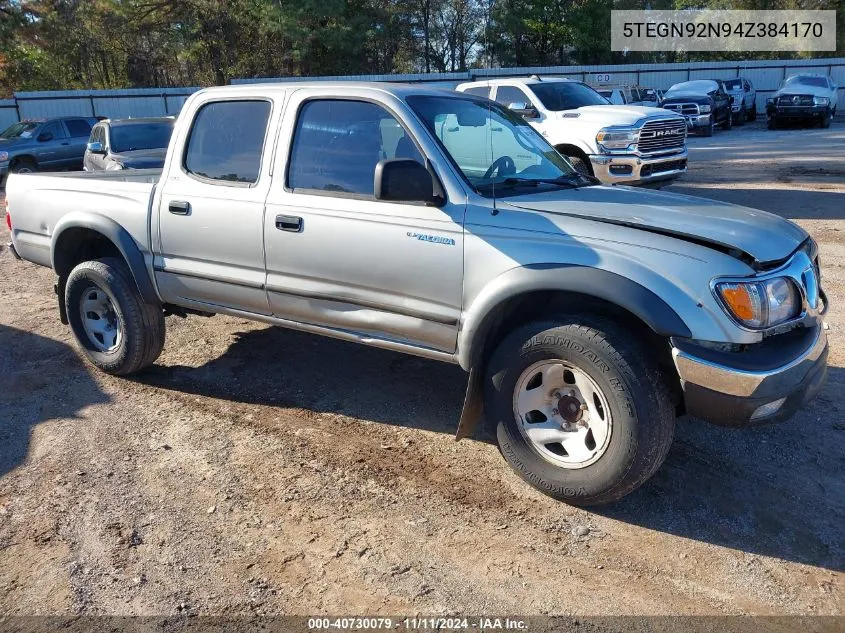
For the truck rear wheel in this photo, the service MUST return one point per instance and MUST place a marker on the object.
(117, 330)
(582, 413)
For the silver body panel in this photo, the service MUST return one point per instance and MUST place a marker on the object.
(415, 278)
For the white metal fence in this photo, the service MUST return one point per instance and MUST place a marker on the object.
(766, 75)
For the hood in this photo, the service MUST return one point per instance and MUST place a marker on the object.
(686, 97)
(765, 237)
(11, 143)
(615, 114)
(141, 158)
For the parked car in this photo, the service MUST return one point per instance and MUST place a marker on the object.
(803, 97)
(631, 145)
(33, 145)
(743, 100)
(703, 102)
(441, 224)
(629, 95)
(128, 144)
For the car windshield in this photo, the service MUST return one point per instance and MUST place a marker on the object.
(733, 84)
(134, 136)
(493, 147)
(818, 82)
(557, 96)
(701, 87)
(24, 129)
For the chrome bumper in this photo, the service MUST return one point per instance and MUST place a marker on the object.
(729, 395)
(638, 170)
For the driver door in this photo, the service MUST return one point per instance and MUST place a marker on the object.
(335, 256)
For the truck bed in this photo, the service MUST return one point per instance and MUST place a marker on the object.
(38, 202)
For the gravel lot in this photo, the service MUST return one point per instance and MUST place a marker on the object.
(256, 470)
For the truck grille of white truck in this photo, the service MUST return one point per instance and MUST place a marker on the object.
(662, 135)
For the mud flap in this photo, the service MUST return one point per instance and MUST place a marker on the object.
(59, 289)
(473, 406)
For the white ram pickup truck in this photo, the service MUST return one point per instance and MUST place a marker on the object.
(618, 144)
(443, 225)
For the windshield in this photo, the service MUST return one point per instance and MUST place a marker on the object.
(134, 136)
(566, 95)
(701, 87)
(24, 129)
(733, 84)
(490, 144)
(818, 82)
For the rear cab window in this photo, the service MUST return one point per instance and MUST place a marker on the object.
(226, 142)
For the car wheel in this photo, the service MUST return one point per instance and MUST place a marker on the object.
(24, 166)
(580, 165)
(772, 123)
(729, 122)
(117, 330)
(742, 118)
(581, 412)
(708, 131)
(752, 113)
(824, 121)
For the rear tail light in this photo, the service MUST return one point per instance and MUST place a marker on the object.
(8, 219)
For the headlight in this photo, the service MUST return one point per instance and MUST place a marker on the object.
(617, 137)
(704, 109)
(761, 304)
(822, 101)
(4, 155)
(114, 166)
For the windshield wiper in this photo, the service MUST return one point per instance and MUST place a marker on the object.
(572, 181)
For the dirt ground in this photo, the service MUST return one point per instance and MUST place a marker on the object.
(261, 471)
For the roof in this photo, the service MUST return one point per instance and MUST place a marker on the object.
(526, 81)
(132, 121)
(269, 88)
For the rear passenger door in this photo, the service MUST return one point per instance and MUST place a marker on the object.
(339, 258)
(78, 131)
(210, 247)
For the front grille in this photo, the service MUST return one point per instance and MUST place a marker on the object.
(795, 101)
(682, 108)
(662, 135)
(659, 168)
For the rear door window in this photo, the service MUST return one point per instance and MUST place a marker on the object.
(480, 91)
(78, 127)
(226, 141)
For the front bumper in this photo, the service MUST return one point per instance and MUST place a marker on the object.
(730, 388)
(796, 112)
(630, 169)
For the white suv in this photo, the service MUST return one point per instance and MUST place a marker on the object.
(633, 145)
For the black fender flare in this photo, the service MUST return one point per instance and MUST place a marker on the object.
(118, 236)
(595, 282)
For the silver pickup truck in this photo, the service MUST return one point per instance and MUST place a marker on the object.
(441, 224)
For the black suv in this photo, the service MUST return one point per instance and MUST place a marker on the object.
(704, 103)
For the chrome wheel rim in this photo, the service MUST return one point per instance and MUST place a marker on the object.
(562, 414)
(99, 319)
(24, 170)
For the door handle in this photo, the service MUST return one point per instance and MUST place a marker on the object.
(177, 207)
(290, 223)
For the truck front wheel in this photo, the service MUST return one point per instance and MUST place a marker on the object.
(582, 413)
(117, 330)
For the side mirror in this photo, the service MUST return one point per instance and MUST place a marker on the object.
(405, 180)
(44, 137)
(96, 148)
(524, 110)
